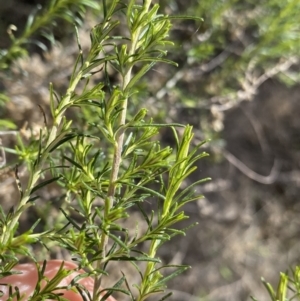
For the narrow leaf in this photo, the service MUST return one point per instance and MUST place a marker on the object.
(40, 185)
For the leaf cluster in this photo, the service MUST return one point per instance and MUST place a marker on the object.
(106, 175)
(288, 287)
(41, 21)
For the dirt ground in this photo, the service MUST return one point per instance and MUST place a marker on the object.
(248, 221)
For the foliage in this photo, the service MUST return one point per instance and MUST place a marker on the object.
(223, 61)
(42, 21)
(104, 175)
(226, 58)
(288, 287)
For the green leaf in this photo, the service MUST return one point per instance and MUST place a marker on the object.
(282, 287)
(270, 289)
(166, 296)
(118, 241)
(74, 163)
(180, 269)
(135, 258)
(43, 184)
(7, 124)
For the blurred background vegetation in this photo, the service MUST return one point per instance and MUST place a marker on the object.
(237, 83)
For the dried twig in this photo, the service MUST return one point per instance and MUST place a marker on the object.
(271, 178)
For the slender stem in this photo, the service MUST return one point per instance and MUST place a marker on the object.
(118, 149)
(36, 169)
(120, 137)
